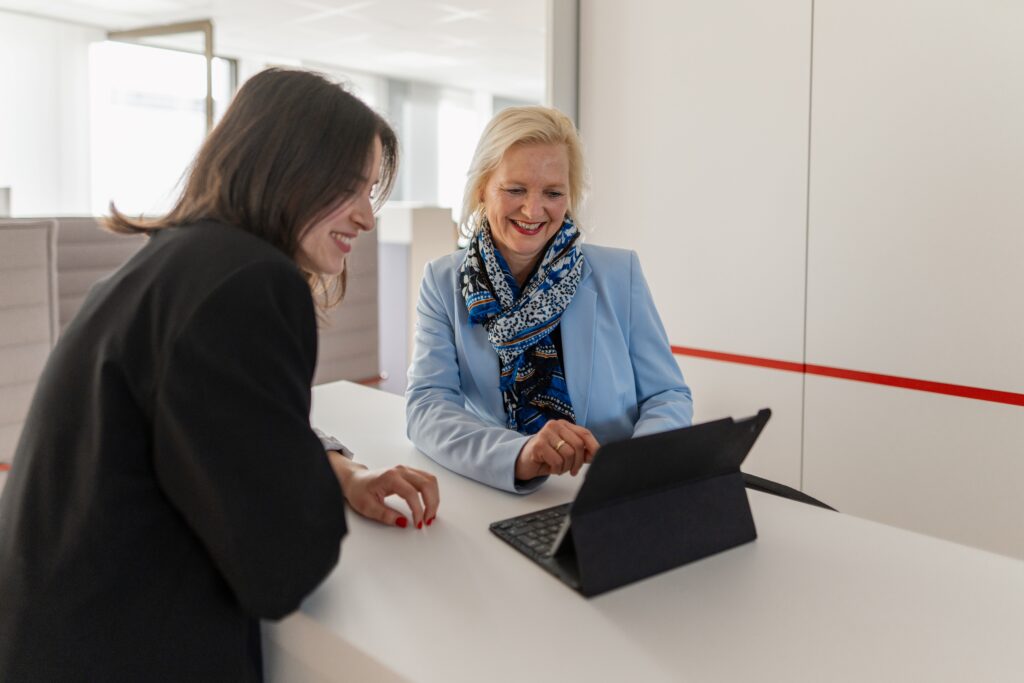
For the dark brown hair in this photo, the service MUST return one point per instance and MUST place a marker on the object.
(291, 148)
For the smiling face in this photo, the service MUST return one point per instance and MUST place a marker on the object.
(324, 246)
(525, 201)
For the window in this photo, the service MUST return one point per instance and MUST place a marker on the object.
(462, 116)
(147, 122)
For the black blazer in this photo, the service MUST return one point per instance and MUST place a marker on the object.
(167, 491)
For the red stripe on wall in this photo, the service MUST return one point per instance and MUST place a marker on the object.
(737, 358)
(960, 390)
(4, 466)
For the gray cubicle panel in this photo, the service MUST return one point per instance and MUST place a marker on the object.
(28, 324)
(86, 253)
(349, 332)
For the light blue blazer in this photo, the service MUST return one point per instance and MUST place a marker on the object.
(622, 377)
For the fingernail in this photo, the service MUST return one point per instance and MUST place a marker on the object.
(419, 525)
(430, 521)
(401, 521)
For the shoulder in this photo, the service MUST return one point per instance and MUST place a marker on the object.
(609, 264)
(261, 304)
(220, 242)
(210, 266)
(601, 257)
(444, 272)
(264, 279)
(448, 264)
(216, 255)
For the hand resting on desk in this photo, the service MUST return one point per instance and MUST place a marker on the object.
(365, 491)
(559, 447)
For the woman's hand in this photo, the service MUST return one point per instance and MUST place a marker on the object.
(559, 447)
(365, 491)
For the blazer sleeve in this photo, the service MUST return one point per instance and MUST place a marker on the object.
(233, 447)
(663, 398)
(437, 420)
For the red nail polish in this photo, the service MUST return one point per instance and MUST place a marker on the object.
(430, 521)
(401, 521)
(419, 525)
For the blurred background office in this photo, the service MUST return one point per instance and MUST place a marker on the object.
(825, 196)
(107, 100)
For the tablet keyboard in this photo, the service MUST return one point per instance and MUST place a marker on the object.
(534, 534)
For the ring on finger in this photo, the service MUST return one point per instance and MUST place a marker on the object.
(559, 445)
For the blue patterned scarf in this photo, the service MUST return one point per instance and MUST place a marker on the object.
(519, 323)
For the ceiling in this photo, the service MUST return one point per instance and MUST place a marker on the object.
(493, 45)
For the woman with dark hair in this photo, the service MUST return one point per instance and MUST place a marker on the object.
(168, 490)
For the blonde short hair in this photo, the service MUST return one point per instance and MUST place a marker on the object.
(520, 126)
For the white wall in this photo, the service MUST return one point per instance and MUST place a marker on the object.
(694, 115)
(834, 183)
(44, 114)
(915, 258)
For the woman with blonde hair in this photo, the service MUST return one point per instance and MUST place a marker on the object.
(531, 348)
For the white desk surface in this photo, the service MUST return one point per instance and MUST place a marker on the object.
(819, 596)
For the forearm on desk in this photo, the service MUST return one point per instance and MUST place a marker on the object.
(669, 410)
(453, 437)
(343, 468)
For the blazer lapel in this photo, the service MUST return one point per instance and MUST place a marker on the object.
(483, 366)
(579, 325)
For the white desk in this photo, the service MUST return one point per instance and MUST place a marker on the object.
(819, 596)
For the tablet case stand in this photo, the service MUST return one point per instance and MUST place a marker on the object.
(631, 540)
(623, 528)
